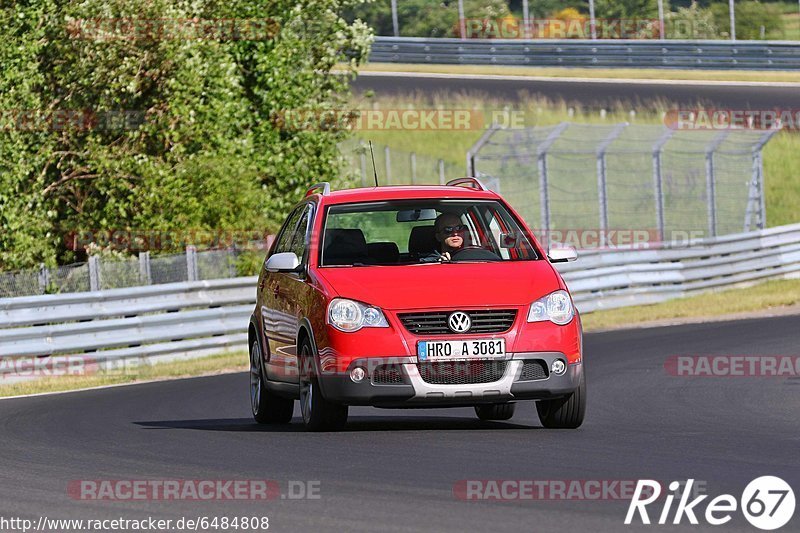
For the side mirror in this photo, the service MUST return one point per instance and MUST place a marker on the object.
(562, 254)
(283, 262)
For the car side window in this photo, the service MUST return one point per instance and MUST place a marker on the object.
(288, 231)
(298, 243)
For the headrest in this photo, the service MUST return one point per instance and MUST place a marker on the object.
(422, 240)
(344, 246)
(383, 252)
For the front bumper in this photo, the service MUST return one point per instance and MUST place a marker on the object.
(417, 391)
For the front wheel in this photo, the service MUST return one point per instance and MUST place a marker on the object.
(318, 413)
(267, 407)
(495, 411)
(566, 412)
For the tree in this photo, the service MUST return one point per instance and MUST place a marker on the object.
(127, 124)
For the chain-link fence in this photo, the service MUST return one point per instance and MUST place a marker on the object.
(605, 177)
(101, 274)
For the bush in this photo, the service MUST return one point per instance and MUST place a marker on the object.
(693, 22)
(200, 148)
(425, 18)
(751, 16)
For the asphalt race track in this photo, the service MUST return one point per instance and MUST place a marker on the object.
(395, 470)
(591, 94)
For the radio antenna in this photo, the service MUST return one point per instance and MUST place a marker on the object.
(374, 169)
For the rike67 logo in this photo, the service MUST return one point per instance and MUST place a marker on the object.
(767, 503)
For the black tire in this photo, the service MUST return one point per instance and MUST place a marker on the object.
(566, 412)
(318, 413)
(495, 411)
(267, 408)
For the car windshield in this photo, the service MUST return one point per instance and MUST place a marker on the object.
(422, 231)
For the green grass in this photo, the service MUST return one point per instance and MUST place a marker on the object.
(791, 22)
(768, 295)
(791, 31)
(214, 364)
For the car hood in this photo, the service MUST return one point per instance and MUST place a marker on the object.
(444, 284)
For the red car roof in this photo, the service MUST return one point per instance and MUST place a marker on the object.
(404, 192)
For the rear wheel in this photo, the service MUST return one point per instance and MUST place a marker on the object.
(496, 411)
(566, 412)
(318, 413)
(267, 407)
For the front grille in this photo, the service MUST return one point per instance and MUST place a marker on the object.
(461, 372)
(435, 323)
(387, 375)
(533, 369)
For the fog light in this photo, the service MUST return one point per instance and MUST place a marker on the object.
(358, 374)
(559, 367)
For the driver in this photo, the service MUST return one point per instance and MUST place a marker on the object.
(449, 233)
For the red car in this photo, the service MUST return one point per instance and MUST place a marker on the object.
(422, 296)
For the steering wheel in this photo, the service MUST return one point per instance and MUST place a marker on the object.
(474, 253)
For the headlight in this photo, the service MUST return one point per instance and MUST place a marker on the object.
(349, 315)
(555, 307)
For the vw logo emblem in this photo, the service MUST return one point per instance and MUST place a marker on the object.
(459, 322)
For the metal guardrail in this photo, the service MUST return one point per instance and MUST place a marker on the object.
(760, 55)
(188, 319)
(605, 280)
(191, 319)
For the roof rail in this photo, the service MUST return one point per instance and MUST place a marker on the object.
(325, 186)
(472, 183)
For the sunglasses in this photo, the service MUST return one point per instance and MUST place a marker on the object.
(453, 229)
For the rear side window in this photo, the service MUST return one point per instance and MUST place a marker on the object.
(288, 232)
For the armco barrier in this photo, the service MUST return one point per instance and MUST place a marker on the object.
(187, 319)
(604, 280)
(202, 317)
(761, 55)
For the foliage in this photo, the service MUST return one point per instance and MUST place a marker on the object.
(425, 18)
(162, 131)
(751, 16)
(693, 22)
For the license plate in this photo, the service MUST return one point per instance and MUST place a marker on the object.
(462, 349)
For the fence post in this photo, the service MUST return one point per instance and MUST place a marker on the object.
(441, 172)
(462, 23)
(525, 19)
(544, 189)
(191, 263)
(758, 178)
(658, 181)
(711, 186)
(602, 184)
(387, 160)
(762, 204)
(475, 149)
(44, 278)
(145, 276)
(363, 156)
(413, 168)
(95, 280)
(395, 21)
